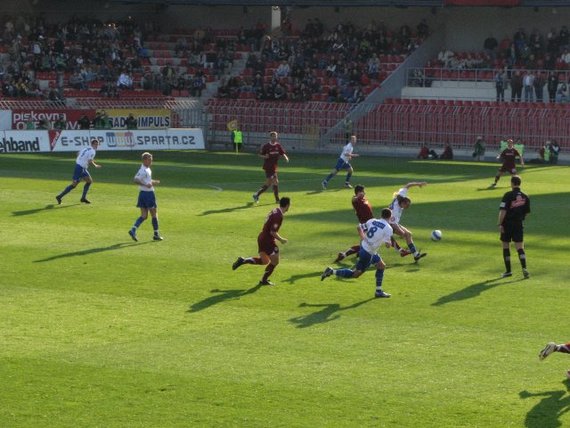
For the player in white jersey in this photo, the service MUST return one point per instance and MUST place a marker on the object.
(343, 163)
(147, 199)
(85, 157)
(398, 205)
(373, 234)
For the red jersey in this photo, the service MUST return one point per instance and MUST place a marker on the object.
(508, 156)
(362, 208)
(274, 151)
(272, 224)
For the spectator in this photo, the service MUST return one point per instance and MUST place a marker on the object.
(500, 81)
(125, 81)
(447, 152)
(60, 124)
(539, 87)
(554, 152)
(552, 86)
(516, 86)
(562, 93)
(490, 46)
(84, 122)
(479, 149)
(131, 122)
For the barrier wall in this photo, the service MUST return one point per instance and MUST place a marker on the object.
(109, 140)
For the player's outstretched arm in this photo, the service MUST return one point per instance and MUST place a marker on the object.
(416, 183)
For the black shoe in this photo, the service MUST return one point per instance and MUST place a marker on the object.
(419, 256)
(58, 199)
(266, 283)
(506, 274)
(133, 234)
(382, 294)
(238, 263)
(85, 201)
(157, 237)
(328, 272)
(526, 275)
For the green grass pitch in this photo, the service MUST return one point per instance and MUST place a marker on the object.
(97, 330)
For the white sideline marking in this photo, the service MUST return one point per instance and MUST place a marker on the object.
(218, 189)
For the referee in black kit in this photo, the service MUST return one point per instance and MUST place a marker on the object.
(514, 207)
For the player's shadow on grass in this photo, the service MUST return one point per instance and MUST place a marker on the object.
(38, 210)
(293, 278)
(329, 312)
(92, 251)
(222, 296)
(546, 413)
(472, 291)
(227, 210)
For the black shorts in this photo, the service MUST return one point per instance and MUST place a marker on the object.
(512, 232)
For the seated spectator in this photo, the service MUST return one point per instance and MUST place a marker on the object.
(424, 152)
(447, 153)
(554, 152)
(283, 70)
(479, 149)
(125, 81)
(84, 122)
(562, 93)
(445, 56)
(60, 123)
(77, 81)
(131, 122)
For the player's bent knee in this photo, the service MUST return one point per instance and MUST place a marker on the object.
(356, 273)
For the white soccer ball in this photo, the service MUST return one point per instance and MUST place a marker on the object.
(436, 235)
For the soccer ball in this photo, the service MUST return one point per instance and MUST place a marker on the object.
(436, 235)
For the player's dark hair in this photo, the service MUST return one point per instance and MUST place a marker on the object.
(402, 199)
(516, 180)
(358, 188)
(283, 202)
(386, 213)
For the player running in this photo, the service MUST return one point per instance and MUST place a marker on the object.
(363, 211)
(508, 156)
(271, 152)
(343, 163)
(398, 205)
(373, 233)
(85, 158)
(268, 249)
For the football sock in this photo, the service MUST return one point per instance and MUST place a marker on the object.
(352, 250)
(331, 175)
(155, 224)
(412, 248)
(138, 222)
(66, 191)
(348, 176)
(261, 190)
(85, 190)
(497, 179)
(379, 278)
(507, 259)
(276, 191)
(268, 271)
(343, 273)
(252, 261)
(564, 348)
(522, 257)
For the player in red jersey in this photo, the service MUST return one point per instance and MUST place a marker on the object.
(508, 156)
(271, 152)
(363, 211)
(268, 249)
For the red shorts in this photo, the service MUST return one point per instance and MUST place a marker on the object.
(507, 168)
(267, 246)
(270, 173)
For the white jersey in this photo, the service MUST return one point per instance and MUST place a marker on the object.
(376, 232)
(397, 210)
(346, 152)
(85, 156)
(144, 176)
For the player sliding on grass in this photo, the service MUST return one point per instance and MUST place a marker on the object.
(84, 159)
(268, 249)
(271, 152)
(147, 199)
(363, 211)
(398, 205)
(373, 233)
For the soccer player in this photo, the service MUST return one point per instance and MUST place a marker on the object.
(363, 211)
(271, 152)
(514, 207)
(147, 199)
(398, 205)
(268, 249)
(343, 163)
(85, 158)
(373, 233)
(508, 156)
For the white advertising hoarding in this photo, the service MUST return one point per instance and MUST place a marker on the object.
(69, 141)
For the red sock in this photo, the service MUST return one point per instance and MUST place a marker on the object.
(276, 192)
